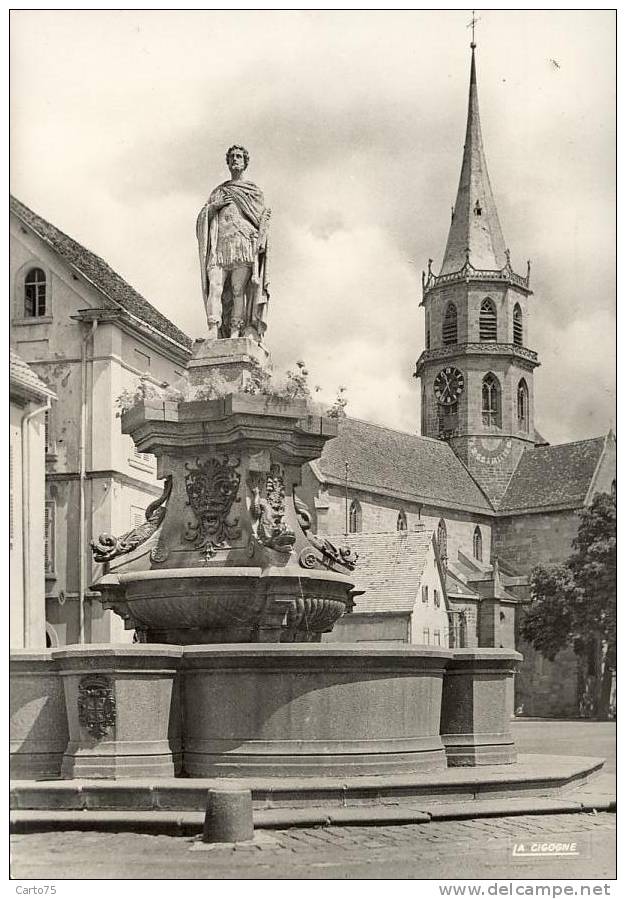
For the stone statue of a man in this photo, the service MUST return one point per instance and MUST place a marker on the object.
(232, 231)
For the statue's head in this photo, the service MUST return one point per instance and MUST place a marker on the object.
(237, 158)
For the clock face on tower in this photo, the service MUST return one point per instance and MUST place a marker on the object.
(449, 385)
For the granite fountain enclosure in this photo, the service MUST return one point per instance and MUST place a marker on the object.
(250, 710)
(230, 593)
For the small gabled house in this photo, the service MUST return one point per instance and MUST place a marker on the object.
(403, 584)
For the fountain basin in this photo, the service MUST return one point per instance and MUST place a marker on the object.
(312, 710)
(228, 604)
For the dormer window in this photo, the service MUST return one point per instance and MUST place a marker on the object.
(35, 293)
(478, 208)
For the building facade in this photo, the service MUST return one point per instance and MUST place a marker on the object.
(89, 337)
(30, 534)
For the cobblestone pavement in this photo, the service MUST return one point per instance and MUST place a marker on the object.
(440, 850)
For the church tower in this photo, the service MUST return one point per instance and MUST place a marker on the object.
(476, 370)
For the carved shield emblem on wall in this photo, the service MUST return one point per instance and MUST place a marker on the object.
(96, 704)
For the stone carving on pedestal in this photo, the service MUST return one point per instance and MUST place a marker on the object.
(107, 547)
(96, 705)
(212, 487)
(232, 231)
(268, 512)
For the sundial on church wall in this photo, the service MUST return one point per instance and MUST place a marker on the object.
(490, 450)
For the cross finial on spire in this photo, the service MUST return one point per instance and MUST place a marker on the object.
(472, 24)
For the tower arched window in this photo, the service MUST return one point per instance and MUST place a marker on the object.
(491, 402)
(522, 406)
(518, 327)
(478, 544)
(35, 293)
(355, 517)
(488, 321)
(401, 524)
(428, 330)
(442, 540)
(449, 330)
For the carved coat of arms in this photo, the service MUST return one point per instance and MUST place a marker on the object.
(96, 704)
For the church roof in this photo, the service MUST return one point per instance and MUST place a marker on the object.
(389, 568)
(549, 476)
(381, 460)
(96, 270)
(22, 377)
(475, 224)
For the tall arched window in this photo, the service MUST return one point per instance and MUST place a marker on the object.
(442, 540)
(488, 321)
(35, 293)
(522, 405)
(355, 517)
(401, 524)
(449, 330)
(478, 544)
(518, 329)
(492, 406)
(428, 330)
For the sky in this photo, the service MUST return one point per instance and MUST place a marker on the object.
(355, 124)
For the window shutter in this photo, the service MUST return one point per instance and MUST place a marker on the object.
(50, 537)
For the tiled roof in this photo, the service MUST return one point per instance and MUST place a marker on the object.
(22, 375)
(99, 273)
(456, 587)
(553, 475)
(389, 568)
(394, 462)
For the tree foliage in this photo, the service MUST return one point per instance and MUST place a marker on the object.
(575, 604)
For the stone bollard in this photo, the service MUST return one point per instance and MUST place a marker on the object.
(228, 816)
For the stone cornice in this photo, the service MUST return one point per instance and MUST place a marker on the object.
(468, 274)
(529, 357)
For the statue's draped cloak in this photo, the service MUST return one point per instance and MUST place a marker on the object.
(250, 202)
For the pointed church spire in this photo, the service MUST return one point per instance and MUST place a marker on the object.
(475, 226)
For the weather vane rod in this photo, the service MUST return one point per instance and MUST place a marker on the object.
(472, 24)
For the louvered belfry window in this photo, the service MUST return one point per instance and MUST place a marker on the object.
(488, 322)
(449, 331)
(518, 331)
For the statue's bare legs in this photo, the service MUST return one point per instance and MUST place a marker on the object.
(214, 300)
(239, 277)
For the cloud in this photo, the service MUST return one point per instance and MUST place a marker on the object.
(355, 123)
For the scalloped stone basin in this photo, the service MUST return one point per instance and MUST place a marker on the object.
(228, 604)
(314, 710)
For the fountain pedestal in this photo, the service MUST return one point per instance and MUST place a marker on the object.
(225, 555)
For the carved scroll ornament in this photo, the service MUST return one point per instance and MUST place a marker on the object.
(330, 554)
(108, 547)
